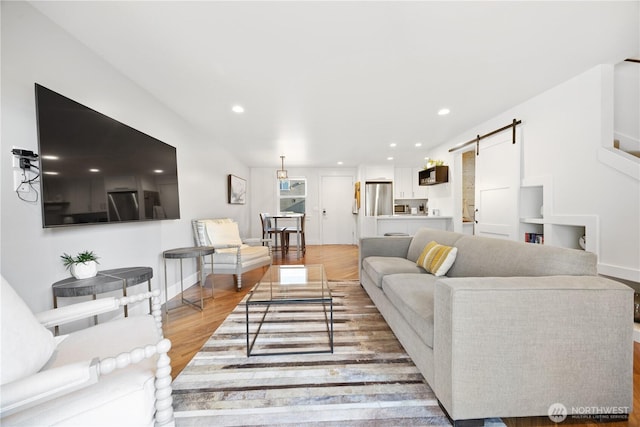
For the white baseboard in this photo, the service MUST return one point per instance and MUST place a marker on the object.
(625, 273)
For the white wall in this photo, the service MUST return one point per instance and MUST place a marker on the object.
(562, 130)
(36, 50)
(264, 196)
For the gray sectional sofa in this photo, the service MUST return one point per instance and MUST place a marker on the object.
(512, 329)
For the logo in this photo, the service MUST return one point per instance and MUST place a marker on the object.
(557, 412)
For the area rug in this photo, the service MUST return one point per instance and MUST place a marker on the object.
(368, 380)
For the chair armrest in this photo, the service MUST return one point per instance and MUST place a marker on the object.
(46, 385)
(53, 383)
(227, 246)
(82, 310)
(525, 336)
(255, 241)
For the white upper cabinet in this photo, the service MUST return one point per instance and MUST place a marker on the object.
(406, 186)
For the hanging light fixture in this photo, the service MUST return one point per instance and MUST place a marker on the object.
(282, 173)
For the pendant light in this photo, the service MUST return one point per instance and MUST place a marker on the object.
(282, 173)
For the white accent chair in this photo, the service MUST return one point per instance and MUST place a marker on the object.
(116, 373)
(233, 255)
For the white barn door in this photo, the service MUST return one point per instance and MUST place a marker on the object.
(498, 186)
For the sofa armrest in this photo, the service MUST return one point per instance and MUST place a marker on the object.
(514, 346)
(392, 246)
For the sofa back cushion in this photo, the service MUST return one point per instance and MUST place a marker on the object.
(425, 235)
(491, 257)
(202, 231)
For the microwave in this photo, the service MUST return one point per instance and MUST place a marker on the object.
(401, 209)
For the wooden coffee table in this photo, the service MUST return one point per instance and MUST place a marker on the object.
(291, 307)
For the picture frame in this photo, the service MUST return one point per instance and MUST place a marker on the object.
(236, 190)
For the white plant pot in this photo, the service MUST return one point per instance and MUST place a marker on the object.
(84, 270)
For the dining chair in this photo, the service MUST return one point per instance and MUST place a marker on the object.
(268, 232)
(293, 230)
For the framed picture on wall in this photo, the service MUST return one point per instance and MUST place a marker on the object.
(237, 190)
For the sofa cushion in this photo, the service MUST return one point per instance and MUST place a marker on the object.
(26, 344)
(490, 257)
(436, 258)
(412, 295)
(247, 254)
(377, 267)
(425, 235)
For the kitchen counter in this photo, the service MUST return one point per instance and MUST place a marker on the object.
(409, 224)
(410, 216)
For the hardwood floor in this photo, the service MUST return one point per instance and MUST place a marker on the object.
(188, 329)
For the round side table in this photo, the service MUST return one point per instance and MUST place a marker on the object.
(198, 252)
(104, 281)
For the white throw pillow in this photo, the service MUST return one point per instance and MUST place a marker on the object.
(223, 233)
(26, 344)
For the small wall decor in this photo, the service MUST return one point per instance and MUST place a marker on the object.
(237, 190)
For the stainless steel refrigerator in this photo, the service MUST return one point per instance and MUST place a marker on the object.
(378, 198)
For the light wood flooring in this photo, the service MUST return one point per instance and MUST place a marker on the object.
(188, 328)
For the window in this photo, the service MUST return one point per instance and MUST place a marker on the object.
(292, 194)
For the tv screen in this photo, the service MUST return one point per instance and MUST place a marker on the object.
(95, 169)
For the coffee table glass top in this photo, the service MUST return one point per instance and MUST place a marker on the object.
(289, 283)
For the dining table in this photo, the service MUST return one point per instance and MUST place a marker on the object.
(298, 221)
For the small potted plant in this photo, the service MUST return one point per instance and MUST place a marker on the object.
(82, 266)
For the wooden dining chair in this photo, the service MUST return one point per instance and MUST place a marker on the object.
(293, 230)
(268, 232)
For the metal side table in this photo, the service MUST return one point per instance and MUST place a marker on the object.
(198, 252)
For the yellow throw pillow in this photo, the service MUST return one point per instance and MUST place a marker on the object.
(437, 259)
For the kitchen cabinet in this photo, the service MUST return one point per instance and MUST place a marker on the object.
(409, 224)
(406, 184)
(402, 188)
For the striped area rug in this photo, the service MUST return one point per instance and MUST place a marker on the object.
(368, 380)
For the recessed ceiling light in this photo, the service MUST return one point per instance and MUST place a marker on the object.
(238, 109)
(158, 171)
(443, 111)
(94, 170)
(50, 157)
(393, 144)
(418, 144)
(51, 173)
(339, 163)
(389, 158)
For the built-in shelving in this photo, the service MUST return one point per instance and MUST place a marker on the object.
(434, 175)
(537, 216)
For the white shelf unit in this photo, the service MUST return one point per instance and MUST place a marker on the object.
(536, 216)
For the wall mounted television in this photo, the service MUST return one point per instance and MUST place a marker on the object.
(96, 170)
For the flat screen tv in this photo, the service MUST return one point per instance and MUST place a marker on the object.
(96, 170)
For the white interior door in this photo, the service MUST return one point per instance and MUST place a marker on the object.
(336, 213)
(498, 186)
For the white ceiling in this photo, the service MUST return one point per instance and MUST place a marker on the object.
(323, 82)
